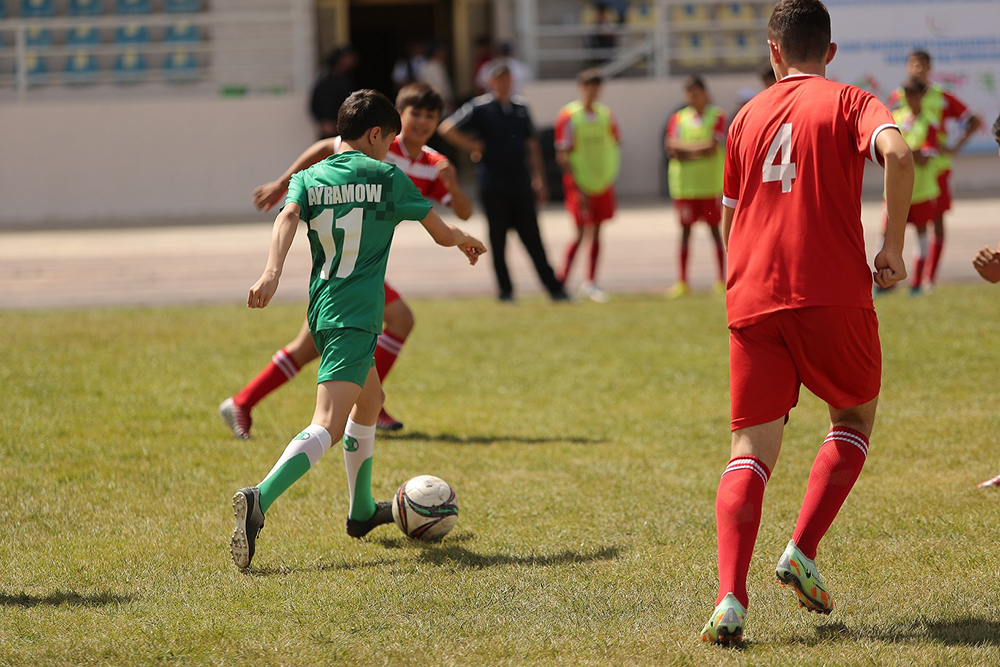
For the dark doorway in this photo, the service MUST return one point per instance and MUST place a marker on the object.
(381, 31)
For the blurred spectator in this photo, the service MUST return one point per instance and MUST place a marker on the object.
(484, 54)
(520, 73)
(435, 73)
(332, 89)
(409, 68)
(605, 34)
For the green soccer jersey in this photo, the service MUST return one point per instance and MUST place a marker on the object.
(352, 204)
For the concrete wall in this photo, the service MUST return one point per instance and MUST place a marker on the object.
(128, 160)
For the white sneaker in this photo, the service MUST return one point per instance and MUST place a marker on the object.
(593, 292)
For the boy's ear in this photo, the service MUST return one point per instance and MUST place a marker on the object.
(374, 134)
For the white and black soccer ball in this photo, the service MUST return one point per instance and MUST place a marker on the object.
(425, 508)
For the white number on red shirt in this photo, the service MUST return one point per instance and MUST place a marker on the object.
(783, 171)
(323, 225)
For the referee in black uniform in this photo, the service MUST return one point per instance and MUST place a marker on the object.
(499, 136)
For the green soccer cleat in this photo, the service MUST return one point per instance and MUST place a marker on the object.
(726, 623)
(795, 569)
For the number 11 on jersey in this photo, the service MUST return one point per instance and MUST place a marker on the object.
(783, 171)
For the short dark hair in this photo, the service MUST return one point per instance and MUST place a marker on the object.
(694, 81)
(366, 109)
(419, 96)
(802, 29)
(914, 85)
(590, 76)
(920, 54)
(996, 127)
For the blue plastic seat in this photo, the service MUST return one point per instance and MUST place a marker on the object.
(37, 8)
(132, 33)
(3, 9)
(36, 67)
(133, 7)
(81, 68)
(180, 66)
(84, 7)
(83, 36)
(130, 67)
(182, 32)
(38, 37)
(183, 6)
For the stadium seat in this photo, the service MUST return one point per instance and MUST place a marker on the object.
(735, 11)
(695, 50)
(180, 66)
(37, 8)
(84, 7)
(743, 49)
(81, 68)
(182, 6)
(38, 37)
(687, 12)
(641, 13)
(36, 67)
(130, 67)
(182, 32)
(3, 9)
(83, 36)
(133, 6)
(132, 33)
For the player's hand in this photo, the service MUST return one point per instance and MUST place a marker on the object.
(447, 174)
(889, 269)
(987, 263)
(541, 191)
(472, 248)
(262, 290)
(476, 154)
(267, 195)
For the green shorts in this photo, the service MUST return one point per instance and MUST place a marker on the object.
(345, 354)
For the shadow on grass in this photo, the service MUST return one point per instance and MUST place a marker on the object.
(454, 554)
(58, 598)
(967, 631)
(453, 439)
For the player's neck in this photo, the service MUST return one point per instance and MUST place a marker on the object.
(809, 69)
(359, 145)
(412, 148)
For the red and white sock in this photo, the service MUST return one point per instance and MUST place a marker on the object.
(568, 261)
(684, 265)
(281, 369)
(737, 515)
(595, 252)
(833, 475)
(937, 247)
(386, 351)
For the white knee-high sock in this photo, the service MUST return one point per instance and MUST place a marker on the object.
(301, 454)
(359, 448)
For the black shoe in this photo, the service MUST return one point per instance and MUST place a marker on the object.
(560, 295)
(506, 297)
(383, 514)
(249, 521)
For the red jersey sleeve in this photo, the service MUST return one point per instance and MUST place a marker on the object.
(867, 116)
(932, 143)
(615, 131)
(731, 179)
(719, 131)
(672, 131)
(954, 107)
(436, 189)
(563, 132)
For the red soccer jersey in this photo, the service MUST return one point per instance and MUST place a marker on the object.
(794, 166)
(422, 171)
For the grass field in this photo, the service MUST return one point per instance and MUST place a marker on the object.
(585, 443)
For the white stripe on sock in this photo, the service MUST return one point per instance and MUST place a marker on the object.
(389, 345)
(844, 436)
(747, 464)
(285, 363)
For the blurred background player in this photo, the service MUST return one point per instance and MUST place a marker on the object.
(799, 302)
(497, 132)
(987, 263)
(943, 108)
(921, 135)
(345, 299)
(332, 89)
(420, 110)
(695, 142)
(587, 150)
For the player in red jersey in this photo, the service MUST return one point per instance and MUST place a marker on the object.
(944, 107)
(798, 296)
(420, 109)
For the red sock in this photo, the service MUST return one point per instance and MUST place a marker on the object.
(720, 255)
(918, 272)
(595, 251)
(684, 265)
(570, 254)
(937, 247)
(833, 475)
(281, 369)
(737, 516)
(386, 351)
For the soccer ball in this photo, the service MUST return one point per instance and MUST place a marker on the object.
(425, 508)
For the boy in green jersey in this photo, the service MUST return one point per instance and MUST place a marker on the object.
(351, 203)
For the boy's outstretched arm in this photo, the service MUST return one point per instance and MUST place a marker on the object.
(448, 235)
(898, 160)
(267, 195)
(460, 203)
(281, 240)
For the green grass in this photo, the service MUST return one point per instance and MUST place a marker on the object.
(585, 443)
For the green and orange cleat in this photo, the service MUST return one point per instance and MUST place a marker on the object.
(800, 572)
(725, 626)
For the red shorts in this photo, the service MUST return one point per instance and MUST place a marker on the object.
(693, 210)
(833, 351)
(391, 295)
(588, 209)
(944, 199)
(920, 214)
